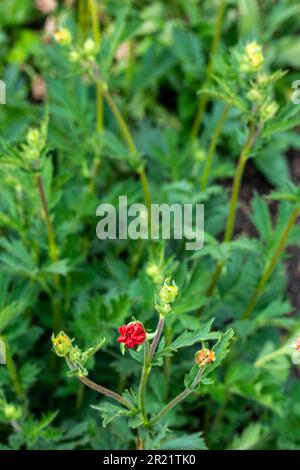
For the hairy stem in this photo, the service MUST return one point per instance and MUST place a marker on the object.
(179, 398)
(214, 45)
(271, 264)
(156, 338)
(143, 382)
(212, 148)
(233, 201)
(53, 252)
(126, 136)
(237, 183)
(107, 392)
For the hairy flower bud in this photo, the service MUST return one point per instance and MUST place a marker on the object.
(255, 95)
(62, 344)
(252, 59)
(168, 292)
(132, 334)
(268, 111)
(204, 357)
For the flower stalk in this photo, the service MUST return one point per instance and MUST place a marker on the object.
(212, 148)
(252, 134)
(271, 264)
(53, 252)
(107, 392)
(143, 382)
(178, 399)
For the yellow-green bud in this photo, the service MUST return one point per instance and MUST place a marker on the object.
(253, 58)
(168, 292)
(165, 309)
(62, 344)
(268, 110)
(33, 136)
(75, 354)
(74, 56)
(63, 37)
(154, 272)
(12, 412)
(255, 95)
(89, 46)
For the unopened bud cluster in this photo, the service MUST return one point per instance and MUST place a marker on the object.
(260, 90)
(252, 59)
(167, 295)
(62, 345)
(76, 54)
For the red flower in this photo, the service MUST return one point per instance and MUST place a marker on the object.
(132, 334)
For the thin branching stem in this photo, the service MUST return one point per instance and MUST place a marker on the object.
(53, 252)
(127, 137)
(179, 398)
(271, 264)
(107, 392)
(156, 338)
(252, 134)
(143, 382)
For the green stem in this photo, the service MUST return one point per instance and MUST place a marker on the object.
(120, 120)
(127, 137)
(233, 201)
(143, 382)
(271, 264)
(82, 20)
(179, 398)
(12, 371)
(168, 359)
(53, 251)
(237, 183)
(272, 355)
(93, 9)
(148, 358)
(212, 148)
(214, 45)
(108, 393)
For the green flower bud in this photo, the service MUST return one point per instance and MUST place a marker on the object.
(154, 273)
(12, 412)
(165, 309)
(268, 111)
(168, 293)
(252, 59)
(255, 95)
(62, 344)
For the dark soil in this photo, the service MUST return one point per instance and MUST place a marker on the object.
(254, 182)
